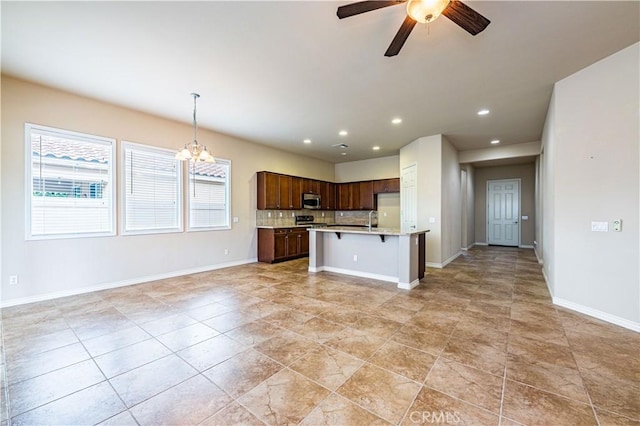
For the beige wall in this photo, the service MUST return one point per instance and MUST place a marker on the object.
(376, 168)
(526, 173)
(591, 169)
(451, 202)
(468, 206)
(57, 267)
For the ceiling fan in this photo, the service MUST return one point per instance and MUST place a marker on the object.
(423, 11)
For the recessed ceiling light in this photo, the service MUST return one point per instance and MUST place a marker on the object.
(343, 133)
(483, 112)
(396, 120)
(495, 141)
(307, 141)
(376, 148)
(344, 153)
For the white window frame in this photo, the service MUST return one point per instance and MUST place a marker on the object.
(28, 128)
(227, 195)
(123, 190)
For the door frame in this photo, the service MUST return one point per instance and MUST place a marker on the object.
(519, 207)
(402, 192)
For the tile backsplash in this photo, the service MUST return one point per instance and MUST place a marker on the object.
(288, 217)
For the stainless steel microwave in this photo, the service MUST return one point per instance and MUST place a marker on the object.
(310, 201)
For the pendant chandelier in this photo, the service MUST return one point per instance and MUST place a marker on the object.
(195, 151)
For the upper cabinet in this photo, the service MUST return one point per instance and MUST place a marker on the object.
(366, 200)
(279, 192)
(386, 185)
(328, 195)
(283, 192)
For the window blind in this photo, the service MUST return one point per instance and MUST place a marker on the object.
(152, 189)
(209, 195)
(70, 180)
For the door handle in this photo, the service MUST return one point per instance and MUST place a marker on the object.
(515, 221)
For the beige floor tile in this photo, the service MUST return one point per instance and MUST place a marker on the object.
(284, 398)
(48, 387)
(44, 362)
(286, 348)
(337, 410)
(254, 332)
(356, 343)
(205, 355)
(385, 394)
(404, 360)
(187, 336)
(189, 402)
(466, 383)
(319, 330)
(90, 405)
(123, 419)
(327, 366)
(111, 342)
(241, 373)
(233, 414)
(532, 406)
(144, 382)
(167, 324)
(130, 357)
(419, 338)
(476, 355)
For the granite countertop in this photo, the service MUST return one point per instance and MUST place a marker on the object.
(282, 226)
(365, 230)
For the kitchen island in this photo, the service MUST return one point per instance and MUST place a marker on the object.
(385, 254)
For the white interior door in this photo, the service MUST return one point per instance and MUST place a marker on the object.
(409, 199)
(503, 211)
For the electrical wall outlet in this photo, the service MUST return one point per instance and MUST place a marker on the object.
(280, 214)
(268, 214)
(235, 219)
(226, 251)
(13, 279)
(617, 225)
(355, 257)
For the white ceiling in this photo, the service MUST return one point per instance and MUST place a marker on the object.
(279, 72)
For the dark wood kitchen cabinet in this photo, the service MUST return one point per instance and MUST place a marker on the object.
(383, 186)
(310, 186)
(328, 195)
(279, 192)
(366, 200)
(276, 245)
(348, 196)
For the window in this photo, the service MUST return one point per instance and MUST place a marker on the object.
(69, 181)
(151, 190)
(209, 195)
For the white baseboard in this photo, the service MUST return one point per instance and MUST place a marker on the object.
(540, 261)
(525, 246)
(123, 283)
(408, 286)
(481, 244)
(468, 247)
(613, 319)
(351, 272)
(445, 263)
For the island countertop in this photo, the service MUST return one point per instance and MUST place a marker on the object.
(365, 230)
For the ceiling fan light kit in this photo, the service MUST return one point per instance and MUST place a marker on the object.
(423, 11)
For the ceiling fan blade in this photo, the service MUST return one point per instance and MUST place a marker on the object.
(465, 17)
(401, 37)
(364, 6)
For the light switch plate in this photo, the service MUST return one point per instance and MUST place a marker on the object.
(525, 217)
(432, 220)
(600, 226)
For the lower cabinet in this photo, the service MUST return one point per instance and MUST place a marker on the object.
(275, 245)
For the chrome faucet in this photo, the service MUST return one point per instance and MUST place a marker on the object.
(371, 213)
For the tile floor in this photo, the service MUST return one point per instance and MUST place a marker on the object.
(478, 342)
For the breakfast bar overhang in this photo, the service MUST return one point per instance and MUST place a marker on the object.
(379, 253)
